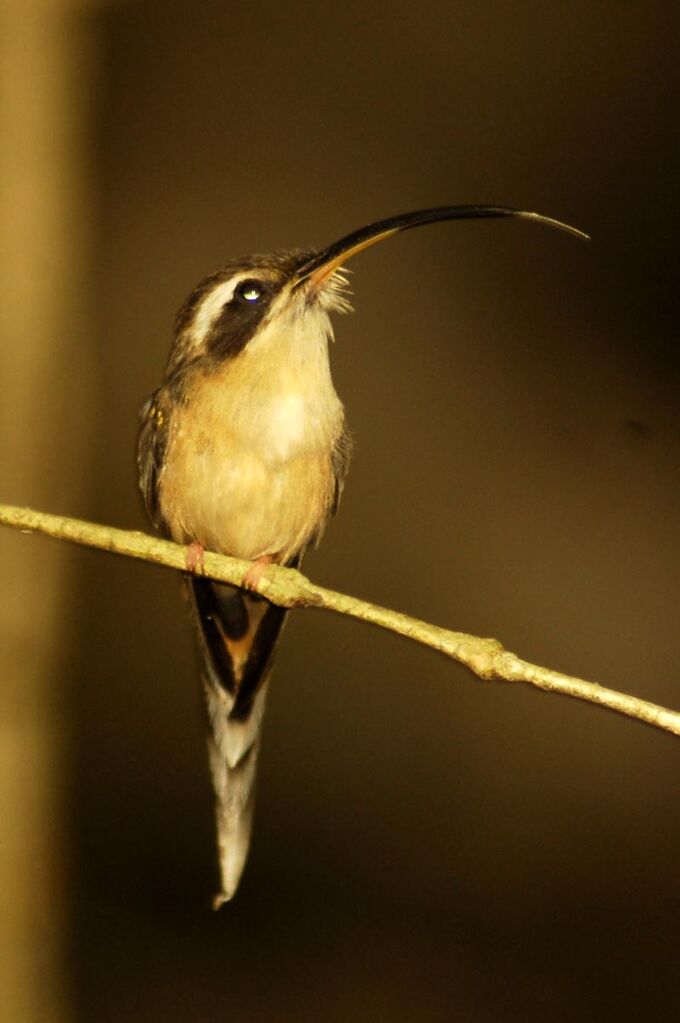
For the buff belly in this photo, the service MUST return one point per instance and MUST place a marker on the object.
(234, 502)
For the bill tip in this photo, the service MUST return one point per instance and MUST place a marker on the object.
(552, 222)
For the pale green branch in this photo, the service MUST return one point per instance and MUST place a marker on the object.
(486, 658)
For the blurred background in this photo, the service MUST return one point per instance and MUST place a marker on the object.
(427, 847)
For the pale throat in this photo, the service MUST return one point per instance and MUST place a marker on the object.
(284, 400)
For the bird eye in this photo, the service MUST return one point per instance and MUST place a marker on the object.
(251, 291)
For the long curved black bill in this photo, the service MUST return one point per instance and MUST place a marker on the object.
(324, 263)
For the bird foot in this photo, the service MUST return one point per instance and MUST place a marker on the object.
(194, 558)
(251, 578)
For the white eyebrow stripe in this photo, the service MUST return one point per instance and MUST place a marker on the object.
(211, 306)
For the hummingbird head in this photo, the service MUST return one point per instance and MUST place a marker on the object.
(232, 309)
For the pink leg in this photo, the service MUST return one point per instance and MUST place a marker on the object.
(252, 577)
(194, 558)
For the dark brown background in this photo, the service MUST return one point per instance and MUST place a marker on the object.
(426, 847)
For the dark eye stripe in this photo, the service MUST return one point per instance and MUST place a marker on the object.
(240, 318)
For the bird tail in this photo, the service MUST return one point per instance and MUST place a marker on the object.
(238, 633)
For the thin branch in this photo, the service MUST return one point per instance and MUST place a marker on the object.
(486, 658)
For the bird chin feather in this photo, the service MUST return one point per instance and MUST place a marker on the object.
(334, 295)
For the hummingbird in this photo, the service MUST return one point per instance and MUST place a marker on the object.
(243, 450)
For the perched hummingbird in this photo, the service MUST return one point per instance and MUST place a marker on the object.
(243, 450)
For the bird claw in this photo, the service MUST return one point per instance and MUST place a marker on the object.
(195, 558)
(251, 578)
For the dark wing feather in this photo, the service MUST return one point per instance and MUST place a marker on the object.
(153, 438)
(340, 459)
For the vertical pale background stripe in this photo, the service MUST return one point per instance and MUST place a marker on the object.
(44, 239)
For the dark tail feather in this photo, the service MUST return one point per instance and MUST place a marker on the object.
(238, 633)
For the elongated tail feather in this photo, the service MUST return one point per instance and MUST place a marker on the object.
(238, 633)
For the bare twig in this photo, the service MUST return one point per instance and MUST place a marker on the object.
(486, 658)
